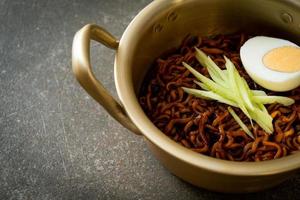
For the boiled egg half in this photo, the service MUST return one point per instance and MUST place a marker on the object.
(272, 63)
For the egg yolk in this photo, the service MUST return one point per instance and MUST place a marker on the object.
(283, 59)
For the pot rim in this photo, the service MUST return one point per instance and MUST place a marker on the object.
(151, 132)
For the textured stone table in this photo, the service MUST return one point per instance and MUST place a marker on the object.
(55, 141)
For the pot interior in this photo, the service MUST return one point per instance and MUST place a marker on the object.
(170, 21)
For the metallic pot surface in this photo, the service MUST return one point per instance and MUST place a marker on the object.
(158, 27)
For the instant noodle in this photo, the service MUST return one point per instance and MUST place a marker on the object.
(206, 126)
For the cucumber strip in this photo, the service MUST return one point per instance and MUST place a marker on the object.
(201, 56)
(234, 86)
(263, 126)
(240, 122)
(214, 74)
(286, 101)
(215, 77)
(265, 117)
(258, 93)
(202, 85)
(208, 95)
(195, 93)
(247, 96)
(207, 62)
(264, 120)
(262, 108)
(244, 91)
(209, 83)
(213, 65)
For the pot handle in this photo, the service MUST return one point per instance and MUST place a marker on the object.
(83, 71)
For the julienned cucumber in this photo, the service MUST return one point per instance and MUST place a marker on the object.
(228, 87)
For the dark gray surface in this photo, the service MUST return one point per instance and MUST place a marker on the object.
(55, 141)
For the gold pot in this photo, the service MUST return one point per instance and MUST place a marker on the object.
(158, 27)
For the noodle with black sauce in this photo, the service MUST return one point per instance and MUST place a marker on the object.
(206, 126)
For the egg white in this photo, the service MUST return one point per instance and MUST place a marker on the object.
(252, 53)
